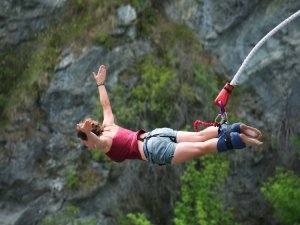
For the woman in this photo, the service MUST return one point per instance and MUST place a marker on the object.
(160, 146)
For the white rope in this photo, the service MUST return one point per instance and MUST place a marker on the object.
(260, 43)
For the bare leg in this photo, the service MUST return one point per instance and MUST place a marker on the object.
(204, 135)
(250, 131)
(188, 150)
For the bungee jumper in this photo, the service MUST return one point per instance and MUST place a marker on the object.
(160, 146)
(164, 146)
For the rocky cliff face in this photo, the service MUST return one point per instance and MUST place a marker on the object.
(22, 20)
(37, 166)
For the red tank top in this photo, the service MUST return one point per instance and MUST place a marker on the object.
(124, 145)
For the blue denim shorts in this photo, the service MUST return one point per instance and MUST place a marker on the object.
(159, 145)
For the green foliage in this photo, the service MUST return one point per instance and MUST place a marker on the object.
(80, 4)
(201, 198)
(100, 157)
(140, 4)
(283, 192)
(158, 86)
(104, 39)
(148, 19)
(208, 83)
(296, 142)
(134, 219)
(70, 216)
(12, 65)
(72, 178)
(96, 154)
(204, 79)
(150, 98)
(179, 36)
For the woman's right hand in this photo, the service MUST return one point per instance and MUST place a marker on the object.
(85, 127)
(100, 77)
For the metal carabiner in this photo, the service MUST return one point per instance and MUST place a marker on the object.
(222, 116)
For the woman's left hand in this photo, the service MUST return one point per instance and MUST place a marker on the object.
(100, 77)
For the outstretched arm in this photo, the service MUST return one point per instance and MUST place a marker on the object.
(108, 117)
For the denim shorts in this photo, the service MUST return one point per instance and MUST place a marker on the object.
(159, 145)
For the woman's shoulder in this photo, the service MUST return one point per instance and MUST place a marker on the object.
(110, 131)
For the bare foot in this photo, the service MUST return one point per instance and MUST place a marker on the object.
(250, 141)
(250, 131)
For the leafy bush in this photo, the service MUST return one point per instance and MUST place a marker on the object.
(150, 98)
(283, 192)
(201, 199)
(140, 4)
(72, 178)
(70, 215)
(134, 219)
(296, 142)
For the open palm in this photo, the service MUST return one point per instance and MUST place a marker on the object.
(100, 77)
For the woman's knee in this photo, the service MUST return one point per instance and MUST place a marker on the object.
(200, 148)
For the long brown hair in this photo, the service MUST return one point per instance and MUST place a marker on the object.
(96, 129)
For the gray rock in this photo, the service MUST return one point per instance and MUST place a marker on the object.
(22, 20)
(126, 15)
(131, 33)
(67, 59)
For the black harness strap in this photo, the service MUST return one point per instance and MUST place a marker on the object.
(172, 138)
(228, 141)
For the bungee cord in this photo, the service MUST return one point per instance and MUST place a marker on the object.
(234, 81)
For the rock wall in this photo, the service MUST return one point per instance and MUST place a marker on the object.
(22, 20)
(35, 167)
